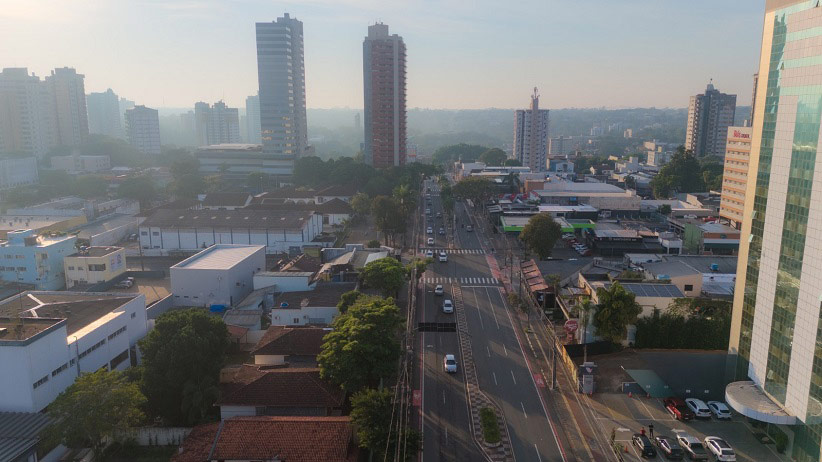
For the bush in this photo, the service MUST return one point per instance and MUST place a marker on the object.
(678, 332)
(490, 426)
(372, 244)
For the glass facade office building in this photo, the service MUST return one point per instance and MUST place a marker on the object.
(777, 329)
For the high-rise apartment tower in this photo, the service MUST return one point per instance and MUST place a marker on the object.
(709, 116)
(531, 136)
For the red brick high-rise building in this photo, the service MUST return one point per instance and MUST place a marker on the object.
(384, 90)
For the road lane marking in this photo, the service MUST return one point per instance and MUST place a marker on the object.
(476, 305)
(443, 397)
(488, 350)
(523, 409)
(513, 378)
(493, 311)
(495, 378)
(505, 349)
(536, 449)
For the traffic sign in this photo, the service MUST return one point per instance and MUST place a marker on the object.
(571, 325)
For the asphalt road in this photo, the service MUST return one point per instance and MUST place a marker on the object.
(501, 364)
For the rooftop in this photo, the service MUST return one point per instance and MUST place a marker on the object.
(718, 228)
(78, 309)
(670, 268)
(219, 256)
(725, 264)
(238, 218)
(324, 295)
(106, 224)
(96, 252)
(749, 400)
(232, 147)
(333, 206)
(288, 341)
(293, 439)
(242, 318)
(286, 387)
(651, 290)
(19, 432)
(226, 199)
(15, 222)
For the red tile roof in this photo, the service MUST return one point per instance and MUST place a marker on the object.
(289, 387)
(292, 439)
(288, 341)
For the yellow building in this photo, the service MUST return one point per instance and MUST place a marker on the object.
(735, 175)
(94, 265)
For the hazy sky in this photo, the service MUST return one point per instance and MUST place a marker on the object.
(461, 53)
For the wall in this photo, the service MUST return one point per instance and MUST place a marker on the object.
(206, 287)
(113, 236)
(269, 360)
(159, 307)
(283, 283)
(45, 273)
(77, 268)
(286, 317)
(158, 436)
(227, 412)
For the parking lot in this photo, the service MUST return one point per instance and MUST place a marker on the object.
(153, 289)
(628, 414)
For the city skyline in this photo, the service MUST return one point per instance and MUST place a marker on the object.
(458, 54)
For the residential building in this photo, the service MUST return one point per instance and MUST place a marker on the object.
(76, 163)
(317, 306)
(560, 164)
(560, 145)
(735, 175)
(383, 59)
(222, 274)
(252, 119)
(531, 136)
(652, 297)
(37, 260)
(104, 116)
(16, 172)
(94, 265)
(281, 75)
(658, 153)
(712, 238)
(709, 116)
(125, 105)
(27, 122)
(775, 328)
(289, 346)
(143, 130)
(66, 88)
(292, 439)
(217, 124)
(80, 331)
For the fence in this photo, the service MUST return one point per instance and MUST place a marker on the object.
(158, 436)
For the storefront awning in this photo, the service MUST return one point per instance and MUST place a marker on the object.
(749, 400)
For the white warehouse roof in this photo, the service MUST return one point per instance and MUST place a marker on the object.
(219, 256)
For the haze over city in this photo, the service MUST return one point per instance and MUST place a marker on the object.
(462, 54)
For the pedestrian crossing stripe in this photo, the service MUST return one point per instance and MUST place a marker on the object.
(453, 251)
(474, 281)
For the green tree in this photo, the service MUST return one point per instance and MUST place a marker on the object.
(616, 309)
(455, 152)
(664, 209)
(371, 414)
(94, 409)
(257, 181)
(188, 186)
(311, 171)
(386, 275)
(184, 164)
(363, 345)
(475, 188)
(419, 265)
(406, 198)
(139, 188)
(493, 157)
(182, 358)
(540, 234)
(512, 163)
(347, 299)
(89, 186)
(681, 174)
(361, 204)
(389, 218)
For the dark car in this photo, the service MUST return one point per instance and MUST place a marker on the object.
(646, 449)
(678, 408)
(692, 446)
(669, 448)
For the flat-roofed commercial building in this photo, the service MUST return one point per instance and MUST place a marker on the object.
(94, 265)
(48, 338)
(193, 230)
(222, 274)
(37, 260)
(735, 175)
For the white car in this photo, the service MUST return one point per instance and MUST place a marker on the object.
(429, 253)
(720, 449)
(450, 364)
(719, 409)
(443, 256)
(430, 241)
(439, 290)
(469, 228)
(447, 307)
(428, 211)
(699, 408)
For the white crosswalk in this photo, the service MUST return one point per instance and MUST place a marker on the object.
(454, 251)
(473, 281)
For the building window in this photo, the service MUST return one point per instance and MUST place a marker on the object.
(689, 287)
(117, 332)
(133, 315)
(155, 233)
(100, 267)
(41, 381)
(117, 360)
(59, 369)
(296, 320)
(71, 268)
(143, 233)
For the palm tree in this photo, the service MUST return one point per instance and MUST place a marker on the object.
(585, 309)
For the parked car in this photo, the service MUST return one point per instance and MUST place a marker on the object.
(450, 364)
(469, 228)
(646, 449)
(429, 253)
(719, 409)
(692, 446)
(429, 230)
(669, 448)
(439, 214)
(447, 307)
(720, 449)
(428, 211)
(438, 290)
(443, 256)
(678, 408)
(699, 408)
(126, 283)
(430, 241)
(442, 231)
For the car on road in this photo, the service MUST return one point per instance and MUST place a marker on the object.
(438, 290)
(443, 256)
(692, 446)
(126, 283)
(439, 214)
(448, 307)
(428, 211)
(450, 364)
(719, 409)
(699, 408)
(430, 241)
(720, 449)
(669, 448)
(678, 408)
(469, 228)
(429, 230)
(429, 253)
(646, 449)
(441, 231)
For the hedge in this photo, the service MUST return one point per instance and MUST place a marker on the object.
(490, 426)
(677, 332)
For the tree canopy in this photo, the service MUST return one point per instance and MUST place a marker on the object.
(540, 234)
(616, 309)
(371, 414)
(493, 157)
(347, 299)
(389, 218)
(141, 188)
(182, 358)
(94, 408)
(512, 163)
(386, 275)
(475, 188)
(682, 174)
(363, 346)
(455, 152)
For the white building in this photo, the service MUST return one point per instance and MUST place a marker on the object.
(188, 230)
(222, 274)
(252, 119)
(16, 172)
(531, 136)
(217, 124)
(26, 114)
(104, 114)
(143, 129)
(68, 95)
(81, 164)
(48, 338)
